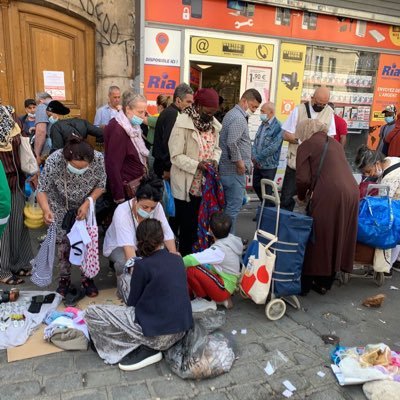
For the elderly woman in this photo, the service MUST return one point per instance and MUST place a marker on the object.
(193, 143)
(125, 150)
(69, 178)
(120, 243)
(15, 244)
(374, 164)
(322, 172)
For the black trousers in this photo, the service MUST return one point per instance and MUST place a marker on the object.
(186, 223)
(288, 189)
(259, 174)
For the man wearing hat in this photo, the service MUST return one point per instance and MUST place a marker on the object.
(63, 129)
(392, 139)
(390, 118)
(41, 126)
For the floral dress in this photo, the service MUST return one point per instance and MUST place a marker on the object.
(207, 142)
(63, 187)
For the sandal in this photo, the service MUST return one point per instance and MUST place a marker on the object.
(24, 272)
(12, 280)
(89, 287)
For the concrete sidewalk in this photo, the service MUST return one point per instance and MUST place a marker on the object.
(83, 375)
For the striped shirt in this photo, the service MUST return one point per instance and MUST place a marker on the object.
(234, 141)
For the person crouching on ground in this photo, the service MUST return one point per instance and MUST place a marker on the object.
(214, 272)
(158, 311)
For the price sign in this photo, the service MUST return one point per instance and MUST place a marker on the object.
(259, 78)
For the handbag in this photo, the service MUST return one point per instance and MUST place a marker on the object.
(27, 158)
(70, 216)
(311, 191)
(168, 200)
(91, 263)
(259, 263)
(131, 187)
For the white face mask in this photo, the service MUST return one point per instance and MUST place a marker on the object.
(249, 112)
(75, 170)
(379, 171)
(31, 115)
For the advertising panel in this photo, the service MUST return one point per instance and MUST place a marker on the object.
(162, 47)
(207, 46)
(239, 16)
(54, 84)
(387, 91)
(259, 78)
(290, 78)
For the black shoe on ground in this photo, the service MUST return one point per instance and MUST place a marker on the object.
(388, 275)
(63, 286)
(139, 358)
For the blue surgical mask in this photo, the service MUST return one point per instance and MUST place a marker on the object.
(76, 171)
(389, 119)
(144, 214)
(52, 120)
(135, 120)
(264, 117)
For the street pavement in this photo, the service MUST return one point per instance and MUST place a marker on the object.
(83, 375)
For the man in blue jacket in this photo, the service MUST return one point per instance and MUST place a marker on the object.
(266, 148)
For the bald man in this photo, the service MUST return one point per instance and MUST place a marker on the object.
(266, 148)
(317, 108)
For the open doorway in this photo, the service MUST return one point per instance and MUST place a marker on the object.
(224, 78)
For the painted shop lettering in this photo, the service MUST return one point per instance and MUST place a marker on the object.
(161, 82)
(391, 70)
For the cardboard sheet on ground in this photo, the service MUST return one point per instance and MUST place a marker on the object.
(36, 346)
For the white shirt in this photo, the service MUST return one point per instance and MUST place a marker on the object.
(122, 231)
(290, 124)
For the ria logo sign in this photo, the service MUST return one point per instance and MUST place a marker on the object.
(161, 82)
(390, 70)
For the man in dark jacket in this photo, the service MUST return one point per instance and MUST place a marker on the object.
(183, 97)
(63, 129)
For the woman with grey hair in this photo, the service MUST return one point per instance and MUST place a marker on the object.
(125, 150)
(325, 180)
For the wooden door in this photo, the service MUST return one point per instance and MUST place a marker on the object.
(43, 39)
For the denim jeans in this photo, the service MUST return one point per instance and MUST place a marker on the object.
(234, 189)
(259, 174)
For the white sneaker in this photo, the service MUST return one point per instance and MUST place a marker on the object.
(200, 305)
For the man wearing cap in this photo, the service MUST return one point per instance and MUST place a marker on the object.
(390, 118)
(62, 129)
(192, 145)
(42, 129)
(28, 120)
(392, 139)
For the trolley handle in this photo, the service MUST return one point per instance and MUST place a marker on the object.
(379, 187)
(275, 194)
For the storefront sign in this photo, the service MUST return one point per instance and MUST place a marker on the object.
(159, 79)
(290, 78)
(162, 47)
(387, 91)
(54, 84)
(207, 46)
(259, 78)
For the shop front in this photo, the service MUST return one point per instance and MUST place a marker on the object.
(285, 54)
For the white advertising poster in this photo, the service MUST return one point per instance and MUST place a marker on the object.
(259, 78)
(54, 84)
(162, 47)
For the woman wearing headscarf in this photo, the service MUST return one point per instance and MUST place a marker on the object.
(125, 150)
(323, 172)
(193, 144)
(15, 244)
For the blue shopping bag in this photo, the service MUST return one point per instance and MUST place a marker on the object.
(168, 200)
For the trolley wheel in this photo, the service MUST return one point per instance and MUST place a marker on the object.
(379, 278)
(344, 278)
(243, 294)
(275, 309)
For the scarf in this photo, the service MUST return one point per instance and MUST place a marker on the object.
(135, 133)
(8, 128)
(200, 125)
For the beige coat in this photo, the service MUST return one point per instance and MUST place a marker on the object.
(184, 149)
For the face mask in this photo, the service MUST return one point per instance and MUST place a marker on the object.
(31, 115)
(264, 117)
(318, 108)
(249, 112)
(206, 118)
(76, 171)
(389, 119)
(135, 120)
(144, 214)
(52, 120)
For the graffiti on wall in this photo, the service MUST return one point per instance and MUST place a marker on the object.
(107, 29)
